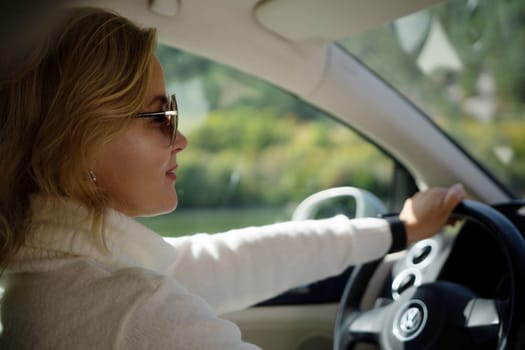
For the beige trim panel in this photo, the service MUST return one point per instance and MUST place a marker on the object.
(302, 327)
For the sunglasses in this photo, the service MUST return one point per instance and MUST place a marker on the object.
(170, 116)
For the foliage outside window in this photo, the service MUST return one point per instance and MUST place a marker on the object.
(462, 62)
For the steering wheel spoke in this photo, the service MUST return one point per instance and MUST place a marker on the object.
(483, 318)
(367, 325)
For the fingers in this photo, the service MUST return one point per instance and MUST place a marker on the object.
(454, 195)
(426, 212)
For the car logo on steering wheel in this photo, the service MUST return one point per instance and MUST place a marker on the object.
(410, 320)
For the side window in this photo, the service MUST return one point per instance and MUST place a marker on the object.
(256, 151)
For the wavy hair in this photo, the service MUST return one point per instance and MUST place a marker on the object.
(79, 89)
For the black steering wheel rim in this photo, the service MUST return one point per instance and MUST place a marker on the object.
(509, 240)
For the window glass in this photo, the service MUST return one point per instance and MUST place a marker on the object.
(255, 151)
(462, 63)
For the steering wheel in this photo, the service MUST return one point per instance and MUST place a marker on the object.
(439, 314)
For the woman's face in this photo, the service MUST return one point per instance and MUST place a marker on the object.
(137, 168)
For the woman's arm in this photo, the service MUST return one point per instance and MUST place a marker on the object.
(238, 268)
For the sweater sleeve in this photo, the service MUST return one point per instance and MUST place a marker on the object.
(241, 267)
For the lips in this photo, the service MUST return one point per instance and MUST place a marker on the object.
(171, 173)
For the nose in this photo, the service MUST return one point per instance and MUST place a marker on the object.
(181, 142)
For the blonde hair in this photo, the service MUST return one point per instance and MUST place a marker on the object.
(81, 89)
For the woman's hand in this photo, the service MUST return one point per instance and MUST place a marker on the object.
(427, 212)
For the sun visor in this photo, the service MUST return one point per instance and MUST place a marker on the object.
(164, 7)
(331, 20)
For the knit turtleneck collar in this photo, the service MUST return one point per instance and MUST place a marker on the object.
(63, 228)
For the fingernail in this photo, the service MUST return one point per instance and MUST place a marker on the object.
(458, 189)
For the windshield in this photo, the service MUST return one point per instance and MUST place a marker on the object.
(462, 63)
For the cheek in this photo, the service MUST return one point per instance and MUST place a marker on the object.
(129, 168)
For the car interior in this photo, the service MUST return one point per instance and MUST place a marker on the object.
(362, 105)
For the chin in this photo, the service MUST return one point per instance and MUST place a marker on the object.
(169, 206)
(165, 206)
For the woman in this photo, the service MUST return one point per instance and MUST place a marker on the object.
(89, 140)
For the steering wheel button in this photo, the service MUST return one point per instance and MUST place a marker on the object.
(406, 283)
(403, 281)
(421, 254)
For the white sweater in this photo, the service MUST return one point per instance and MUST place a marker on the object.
(63, 291)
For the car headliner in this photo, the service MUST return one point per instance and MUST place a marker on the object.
(299, 55)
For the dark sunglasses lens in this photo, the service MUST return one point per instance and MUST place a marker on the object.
(174, 120)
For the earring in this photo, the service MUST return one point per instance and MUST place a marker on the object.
(92, 175)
